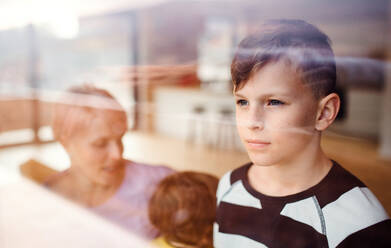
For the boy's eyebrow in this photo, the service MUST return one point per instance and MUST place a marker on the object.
(239, 95)
(266, 95)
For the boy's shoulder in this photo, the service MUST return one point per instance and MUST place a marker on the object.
(339, 189)
(232, 176)
(235, 175)
(351, 212)
(338, 182)
(232, 188)
(340, 208)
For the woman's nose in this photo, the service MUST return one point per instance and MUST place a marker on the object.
(116, 150)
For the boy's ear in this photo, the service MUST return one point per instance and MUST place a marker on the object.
(327, 111)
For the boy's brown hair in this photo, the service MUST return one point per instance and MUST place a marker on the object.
(183, 208)
(298, 42)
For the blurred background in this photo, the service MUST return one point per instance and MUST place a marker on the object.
(167, 62)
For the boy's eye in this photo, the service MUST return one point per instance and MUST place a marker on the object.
(242, 103)
(274, 102)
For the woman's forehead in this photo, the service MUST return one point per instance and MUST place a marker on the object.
(98, 122)
(110, 118)
(111, 115)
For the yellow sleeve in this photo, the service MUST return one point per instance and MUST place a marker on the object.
(161, 243)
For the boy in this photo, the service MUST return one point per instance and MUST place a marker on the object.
(291, 194)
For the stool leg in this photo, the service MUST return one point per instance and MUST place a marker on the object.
(191, 130)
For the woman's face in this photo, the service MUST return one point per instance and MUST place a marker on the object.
(95, 149)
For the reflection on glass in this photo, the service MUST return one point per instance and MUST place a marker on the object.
(90, 124)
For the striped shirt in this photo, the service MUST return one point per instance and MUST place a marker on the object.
(340, 211)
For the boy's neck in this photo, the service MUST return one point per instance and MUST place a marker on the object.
(295, 176)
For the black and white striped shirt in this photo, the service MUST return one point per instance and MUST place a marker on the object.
(340, 211)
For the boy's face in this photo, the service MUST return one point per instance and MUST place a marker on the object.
(276, 114)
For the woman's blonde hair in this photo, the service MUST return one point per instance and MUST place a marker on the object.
(77, 107)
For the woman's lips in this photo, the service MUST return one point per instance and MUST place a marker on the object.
(112, 168)
(257, 144)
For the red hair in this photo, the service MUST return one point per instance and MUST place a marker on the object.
(183, 208)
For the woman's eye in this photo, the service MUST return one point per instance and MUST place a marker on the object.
(242, 103)
(100, 143)
(274, 102)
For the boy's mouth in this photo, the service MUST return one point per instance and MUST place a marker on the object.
(257, 144)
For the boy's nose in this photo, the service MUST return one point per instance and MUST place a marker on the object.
(256, 125)
(256, 120)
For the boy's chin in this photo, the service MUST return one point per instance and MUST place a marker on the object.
(262, 160)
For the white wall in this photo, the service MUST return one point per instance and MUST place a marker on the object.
(174, 116)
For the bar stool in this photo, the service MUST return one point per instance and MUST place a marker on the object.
(198, 128)
(226, 131)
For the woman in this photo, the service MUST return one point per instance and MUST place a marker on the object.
(90, 125)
